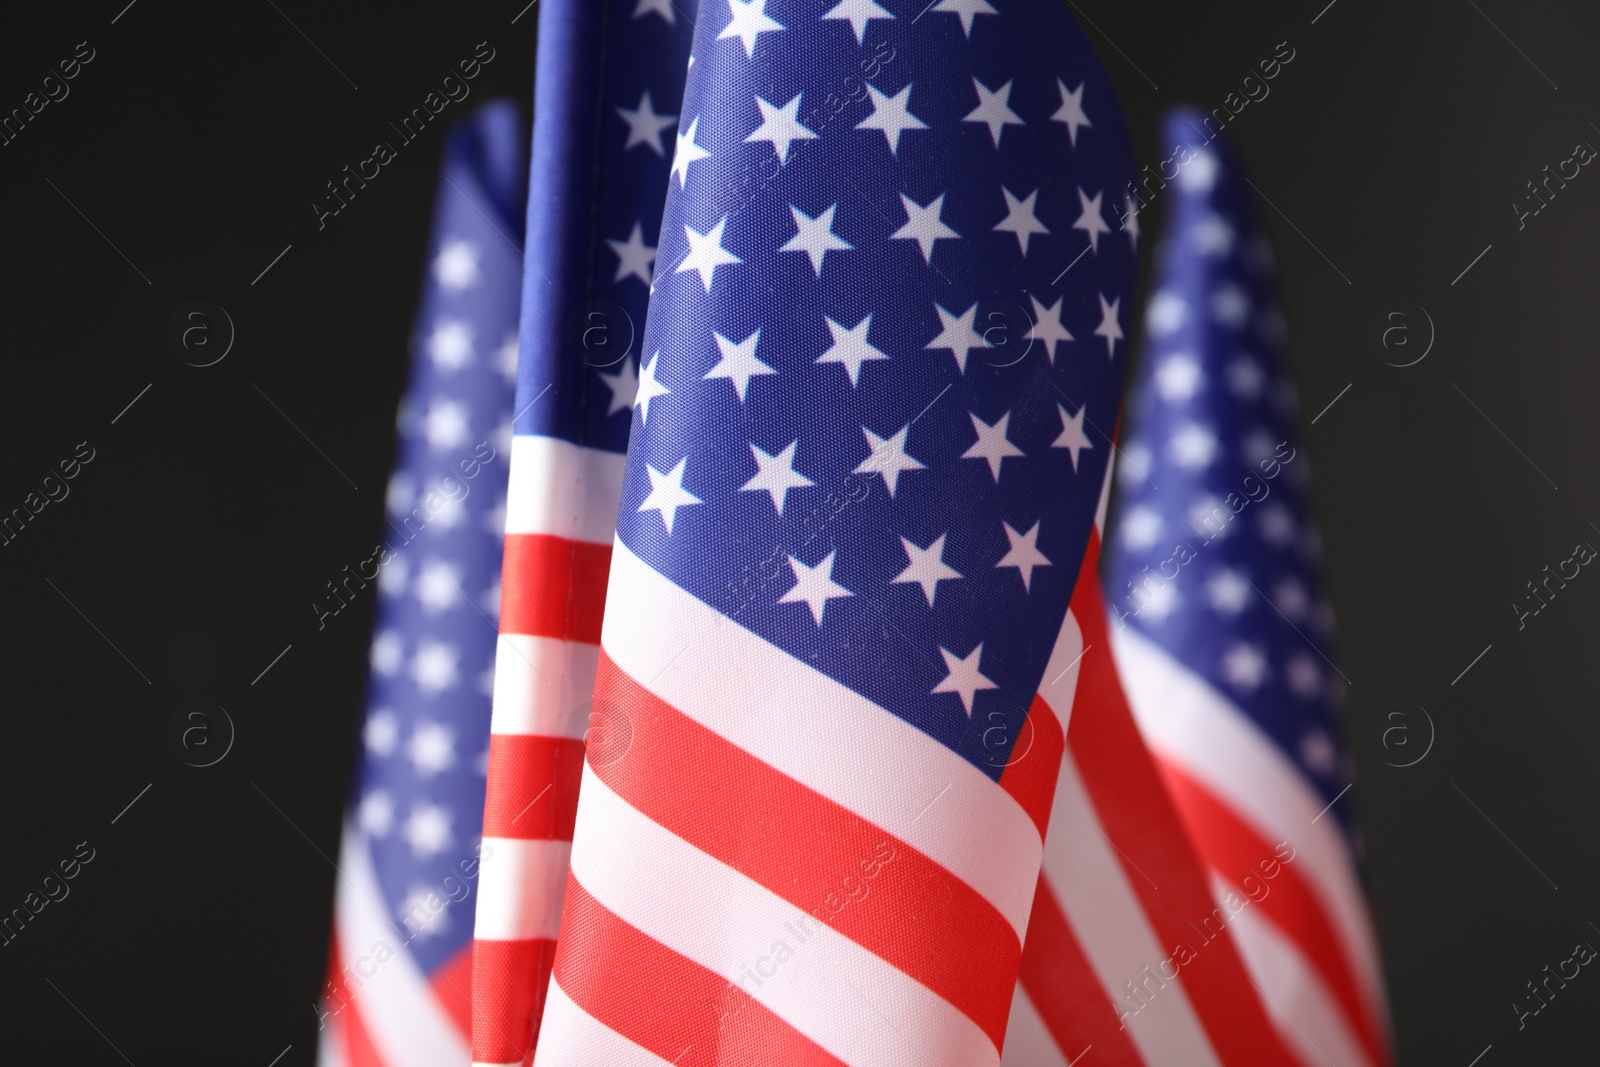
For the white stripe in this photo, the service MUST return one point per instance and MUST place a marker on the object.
(562, 489)
(1060, 682)
(1300, 1006)
(825, 736)
(400, 1013)
(1103, 910)
(520, 889)
(330, 1043)
(1028, 1041)
(811, 976)
(542, 685)
(1186, 721)
(571, 1037)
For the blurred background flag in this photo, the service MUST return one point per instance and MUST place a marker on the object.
(853, 513)
(1112, 962)
(398, 989)
(609, 78)
(1221, 630)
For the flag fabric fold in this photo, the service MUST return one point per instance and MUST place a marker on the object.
(856, 500)
(1221, 630)
(398, 989)
(608, 80)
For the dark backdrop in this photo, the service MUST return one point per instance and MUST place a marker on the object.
(186, 556)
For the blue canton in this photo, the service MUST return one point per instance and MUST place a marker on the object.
(885, 341)
(1219, 566)
(419, 801)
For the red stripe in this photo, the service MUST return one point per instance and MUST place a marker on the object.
(359, 1051)
(814, 853)
(1136, 812)
(508, 987)
(533, 787)
(1067, 993)
(1236, 851)
(452, 987)
(1035, 762)
(553, 587)
(663, 1002)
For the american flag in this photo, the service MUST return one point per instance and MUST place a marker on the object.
(888, 300)
(609, 79)
(1221, 629)
(398, 991)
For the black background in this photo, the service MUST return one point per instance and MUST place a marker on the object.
(189, 550)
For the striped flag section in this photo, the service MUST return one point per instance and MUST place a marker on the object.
(1127, 959)
(608, 79)
(857, 496)
(398, 991)
(1221, 632)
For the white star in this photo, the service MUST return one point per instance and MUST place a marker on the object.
(775, 474)
(433, 668)
(1178, 377)
(814, 586)
(649, 388)
(445, 424)
(456, 266)
(739, 363)
(1209, 518)
(1230, 305)
(1091, 220)
(1228, 591)
(1289, 597)
(1047, 326)
(1135, 462)
(494, 520)
(706, 253)
(1211, 236)
(1162, 602)
(1070, 113)
(505, 358)
(400, 494)
(388, 651)
(966, 10)
(427, 830)
(392, 577)
(490, 601)
(1305, 677)
(891, 116)
(687, 152)
(851, 348)
(1024, 553)
(1192, 446)
(1277, 525)
(748, 19)
(422, 912)
(437, 584)
(1020, 218)
(780, 126)
(994, 110)
(923, 224)
(1109, 327)
(963, 677)
(645, 125)
(634, 258)
(1072, 436)
(656, 7)
(624, 386)
(381, 732)
(450, 345)
(888, 457)
(432, 749)
(1199, 173)
(1165, 313)
(815, 236)
(1245, 378)
(375, 813)
(1319, 753)
(926, 567)
(991, 445)
(1244, 666)
(1140, 528)
(1130, 221)
(858, 13)
(957, 334)
(667, 493)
